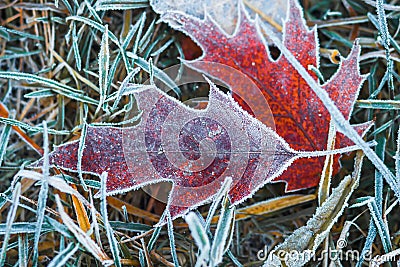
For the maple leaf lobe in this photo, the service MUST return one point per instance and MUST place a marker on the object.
(102, 153)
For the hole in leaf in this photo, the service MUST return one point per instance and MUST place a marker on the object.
(274, 52)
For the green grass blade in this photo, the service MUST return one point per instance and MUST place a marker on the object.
(171, 236)
(21, 34)
(162, 48)
(56, 86)
(81, 148)
(59, 227)
(62, 257)
(144, 41)
(384, 126)
(121, 4)
(110, 232)
(199, 234)
(34, 78)
(224, 227)
(40, 93)
(104, 63)
(23, 228)
(380, 225)
(31, 128)
(123, 86)
(129, 226)
(10, 219)
(378, 104)
(102, 29)
(159, 74)
(75, 47)
(42, 199)
(155, 235)
(126, 41)
(14, 55)
(93, 11)
(139, 33)
(217, 200)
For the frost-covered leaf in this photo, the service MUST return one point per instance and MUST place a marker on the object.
(225, 12)
(296, 108)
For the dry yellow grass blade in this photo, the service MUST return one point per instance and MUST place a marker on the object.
(332, 54)
(26, 109)
(90, 245)
(325, 182)
(130, 262)
(268, 19)
(117, 204)
(80, 211)
(76, 76)
(269, 206)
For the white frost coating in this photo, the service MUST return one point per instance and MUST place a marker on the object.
(224, 12)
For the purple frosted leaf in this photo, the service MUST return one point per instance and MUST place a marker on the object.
(195, 150)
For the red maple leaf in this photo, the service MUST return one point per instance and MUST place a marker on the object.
(300, 117)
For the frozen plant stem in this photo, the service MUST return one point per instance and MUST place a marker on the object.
(384, 31)
(341, 123)
(309, 154)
